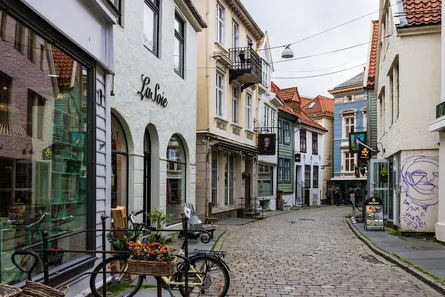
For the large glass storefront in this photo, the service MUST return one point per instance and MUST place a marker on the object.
(43, 145)
(176, 164)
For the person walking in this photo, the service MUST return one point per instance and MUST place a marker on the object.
(329, 193)
(337, 196)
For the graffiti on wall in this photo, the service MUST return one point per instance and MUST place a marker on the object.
(420, 188)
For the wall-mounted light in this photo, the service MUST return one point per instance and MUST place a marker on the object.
(329, 162)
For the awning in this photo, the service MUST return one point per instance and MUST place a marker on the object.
(13, 130)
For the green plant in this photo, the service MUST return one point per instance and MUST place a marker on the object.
(398, 233)
(158, 219)
(154, 251)
(121, 243)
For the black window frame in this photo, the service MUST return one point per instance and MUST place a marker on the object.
(3, 25)
(315, 176)
(31, 46)
(314, 143)
(18, 36)
(303, 141)
(5, 95)
(307, 176)
(286, 132)
(154, 5)
(180, 36)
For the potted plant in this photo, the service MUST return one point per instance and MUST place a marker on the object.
(121, 244)
(154, 258)
(158, 219)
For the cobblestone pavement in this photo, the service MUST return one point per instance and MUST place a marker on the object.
(311, 252)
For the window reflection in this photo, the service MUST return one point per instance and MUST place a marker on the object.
(43, 132)
(175, 178)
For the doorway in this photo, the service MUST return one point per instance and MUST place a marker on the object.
(147, 173)
(379, 183)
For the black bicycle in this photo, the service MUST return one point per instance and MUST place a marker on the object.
(207, 271)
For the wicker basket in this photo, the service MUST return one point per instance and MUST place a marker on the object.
(153, 268)
(34, 289)
(9, 291)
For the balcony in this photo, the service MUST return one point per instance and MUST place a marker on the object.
(246, 66)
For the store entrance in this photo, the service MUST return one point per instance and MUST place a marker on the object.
(147, 172)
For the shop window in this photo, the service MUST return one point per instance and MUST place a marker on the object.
(215, 178)
(151, 25)
(229, 179)
(314, 143)
(307, 176)
(315, 177)
(5, 108)
(35, 115)
(303, 143)
(44, 161)
(176, 172)
(179, 46)
(119, 165)
(265, 180)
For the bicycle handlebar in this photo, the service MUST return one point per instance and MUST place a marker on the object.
(39, 220)
(144, 226)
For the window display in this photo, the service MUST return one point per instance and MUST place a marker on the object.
(175, 178)
(43, 141)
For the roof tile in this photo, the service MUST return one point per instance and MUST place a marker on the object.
(322, 105)
(422, 12)
(373, 53)
(64, 67)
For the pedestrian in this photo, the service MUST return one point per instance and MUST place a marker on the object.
(329, 195)
(337, 196)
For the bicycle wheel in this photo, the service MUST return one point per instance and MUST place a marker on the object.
(119, 283)
(215, 277)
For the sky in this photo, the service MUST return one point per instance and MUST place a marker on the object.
(288, 21)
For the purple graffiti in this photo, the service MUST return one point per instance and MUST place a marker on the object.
(413, 221)
(420, 180)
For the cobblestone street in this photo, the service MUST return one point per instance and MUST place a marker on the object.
(311, 252)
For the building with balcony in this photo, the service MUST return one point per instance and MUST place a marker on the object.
(229, 70)
(350, 120)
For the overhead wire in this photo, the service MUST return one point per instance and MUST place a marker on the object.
(319, 75)
(329, 68)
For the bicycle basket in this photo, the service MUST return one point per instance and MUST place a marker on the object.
(9, 291)
(34, 289)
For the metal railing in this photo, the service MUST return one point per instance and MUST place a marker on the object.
(247, 60)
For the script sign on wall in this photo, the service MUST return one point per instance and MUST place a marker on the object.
(152, 94)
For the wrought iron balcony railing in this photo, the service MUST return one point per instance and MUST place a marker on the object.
(246, 66)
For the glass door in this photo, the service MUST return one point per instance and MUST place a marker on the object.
(380, 183)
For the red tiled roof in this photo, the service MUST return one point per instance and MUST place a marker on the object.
(305, 101)
(289, 102)
(64, 67)
(322, 105)
(373, 53)
(422, 12)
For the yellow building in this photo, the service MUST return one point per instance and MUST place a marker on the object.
(228, 71)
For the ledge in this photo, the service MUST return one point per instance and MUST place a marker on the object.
(221, 123)
(437, 125)
(236, 128)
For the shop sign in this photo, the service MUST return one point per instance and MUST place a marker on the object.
(383, 175)
(47, 153)
(298, 158)
(152, 94)
(365, 153)
(440, 109)
(266, 144)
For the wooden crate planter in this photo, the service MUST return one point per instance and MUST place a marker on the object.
(154, 268)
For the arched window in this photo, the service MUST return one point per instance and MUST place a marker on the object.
(119, 164)
(176, 172)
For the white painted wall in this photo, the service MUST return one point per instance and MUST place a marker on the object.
(133, 60)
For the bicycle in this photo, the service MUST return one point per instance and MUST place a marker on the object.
(208, 273)
(11, 275)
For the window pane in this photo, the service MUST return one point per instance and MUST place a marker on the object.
(175, 195)
(43, 160)
(177, 55)
(150, 28)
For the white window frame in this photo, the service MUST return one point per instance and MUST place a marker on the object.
(220, 19)
(381, 113)
(395, 91)
(235, 104)
(235, 34)
(229, 170)
(249, 118)
(365, 119)
(348, 157)
(220, 95)
(347, 117)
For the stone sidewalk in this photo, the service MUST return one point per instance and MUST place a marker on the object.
(423, 257)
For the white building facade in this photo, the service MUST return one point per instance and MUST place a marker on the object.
(408, 153)
(153, 110)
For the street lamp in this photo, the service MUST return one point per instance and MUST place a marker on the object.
(287, 52)
(329, 163)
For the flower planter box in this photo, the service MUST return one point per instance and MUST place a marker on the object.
(154, 268)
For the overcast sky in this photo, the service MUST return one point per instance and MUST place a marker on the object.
(288, 21)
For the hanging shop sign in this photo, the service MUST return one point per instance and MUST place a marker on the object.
(384, 174)
(354, 140)
(365, 153)
(440, 109)
(266, 144)
(154, 95)
(298, 158)
(47, 153)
